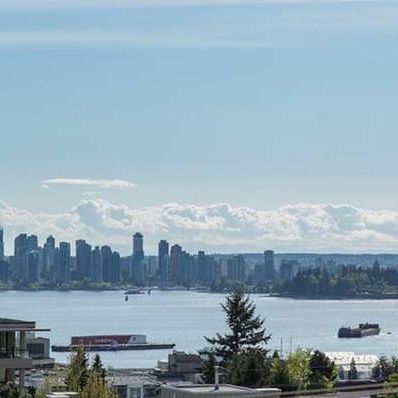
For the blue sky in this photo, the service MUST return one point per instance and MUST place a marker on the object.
(257, 104)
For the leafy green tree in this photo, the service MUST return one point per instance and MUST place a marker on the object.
(353, 373)
(323, 372)
(246, 329)
(279, 375)
(97, 388)
(43, 390)
(98, 367)
(391, 384)
(298, 365)
(78, 371)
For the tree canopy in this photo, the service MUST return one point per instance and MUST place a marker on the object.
(246, 329)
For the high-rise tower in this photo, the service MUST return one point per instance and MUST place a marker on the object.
(138, 246)
(1, 243)
(269, 265)
(163, 261)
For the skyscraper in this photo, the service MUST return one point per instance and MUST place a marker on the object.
(32, 243)
(175, 262)
(269, 265)
(106, 263)
(83, 259)
(138, 246)
(1, 243)
(32, 264)
(138, 268)
(115, 267)
(48, 256)
(95, 274)
(163, 253)
(64, 263)
(236, 268)
(20, 260)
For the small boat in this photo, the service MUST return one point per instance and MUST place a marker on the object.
(126, 298)
(363, 330)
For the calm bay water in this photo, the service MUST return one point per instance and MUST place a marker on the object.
(185, 317)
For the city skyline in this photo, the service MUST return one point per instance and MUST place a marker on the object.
(52, 265)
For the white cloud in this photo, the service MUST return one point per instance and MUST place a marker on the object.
(217, 227)
(87, 182)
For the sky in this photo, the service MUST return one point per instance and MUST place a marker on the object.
(224, 125)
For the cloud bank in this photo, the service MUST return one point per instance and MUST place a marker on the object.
(87, 182)
(215, 228)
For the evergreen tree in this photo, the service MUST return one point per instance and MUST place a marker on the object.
(78, 371)
(249, 368)
(98, 367)
(246, 329)
(383, 369)
(353, 373)
(276, 355)
(97, 388)
(323, 372)
(208, 367)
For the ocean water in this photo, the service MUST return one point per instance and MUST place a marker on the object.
(184, 318)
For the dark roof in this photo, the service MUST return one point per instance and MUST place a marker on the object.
(9, 321)
(9, 325)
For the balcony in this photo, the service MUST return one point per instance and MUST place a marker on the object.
(15, 359)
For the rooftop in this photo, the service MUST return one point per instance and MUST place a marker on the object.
(8, 324)
(13, 321)
(205, 388)
(222, 390)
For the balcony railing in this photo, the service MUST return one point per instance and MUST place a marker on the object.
(14, 352)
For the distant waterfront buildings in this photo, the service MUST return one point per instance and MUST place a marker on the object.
(64, 263)
(106, 263)
(288, 269)
(269, 265)
(138, 272)
(95, 272)
(164, 262)
(48, 256)
(53, 264)
(236, 268)
(1, 243)
(83, 260)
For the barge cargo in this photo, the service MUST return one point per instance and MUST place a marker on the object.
(111, 343)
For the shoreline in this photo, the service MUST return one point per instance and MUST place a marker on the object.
(263, 295)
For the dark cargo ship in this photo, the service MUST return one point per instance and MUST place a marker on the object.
(363, 330)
